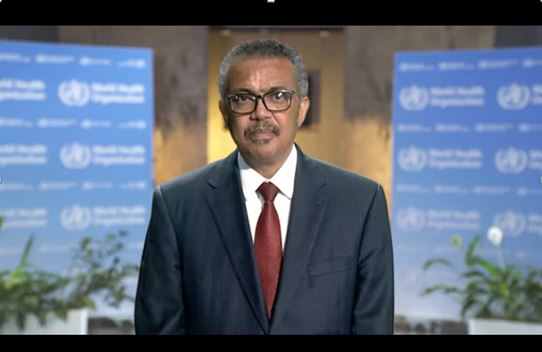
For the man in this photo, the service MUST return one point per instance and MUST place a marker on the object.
(268, 240)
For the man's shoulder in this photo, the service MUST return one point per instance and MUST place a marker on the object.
(192, 180)
(341, 177)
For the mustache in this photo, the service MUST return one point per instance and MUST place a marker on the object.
(263, 127)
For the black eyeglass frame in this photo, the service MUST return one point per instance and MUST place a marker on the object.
(254, 98)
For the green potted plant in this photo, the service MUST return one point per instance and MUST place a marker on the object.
(493, 292)
(29, 294)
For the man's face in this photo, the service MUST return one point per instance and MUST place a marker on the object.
(262, 136)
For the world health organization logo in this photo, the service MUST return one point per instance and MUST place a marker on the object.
(75, 217)
(412, 159)
(411, 219)
(513, 97)
(74, 93)
(511, 160)
(75, 156)
(414, 98)
(511, 223)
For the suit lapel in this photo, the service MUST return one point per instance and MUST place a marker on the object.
(225, 199)
(307, 209)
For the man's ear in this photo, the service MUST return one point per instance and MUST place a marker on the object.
(303, 108)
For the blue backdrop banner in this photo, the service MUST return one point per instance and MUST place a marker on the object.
(75, 148)
(467, 156)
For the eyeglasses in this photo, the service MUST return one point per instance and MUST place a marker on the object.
(274, 101)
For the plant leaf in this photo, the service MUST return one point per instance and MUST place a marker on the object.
(429, 263)
(447, 289)
(492, 269)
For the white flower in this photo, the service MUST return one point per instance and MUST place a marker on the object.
(494, 235)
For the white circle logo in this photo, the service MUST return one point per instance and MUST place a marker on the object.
(75, 218)
(411, 219)
(511, 160)
(513, 97)
(75, 156)
(414, 98)
(511, 223)
(74, 93)
(412, 159)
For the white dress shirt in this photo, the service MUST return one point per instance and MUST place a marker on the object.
(284, 180)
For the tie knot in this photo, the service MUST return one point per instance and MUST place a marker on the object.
(268, 191)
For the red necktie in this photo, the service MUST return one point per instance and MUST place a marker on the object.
(267, 243)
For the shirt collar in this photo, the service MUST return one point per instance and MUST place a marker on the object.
(284, 178)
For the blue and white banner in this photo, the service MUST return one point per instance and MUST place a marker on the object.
(75, 148)
(467, 156)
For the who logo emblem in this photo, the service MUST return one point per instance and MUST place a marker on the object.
(412, 159)
(411, 219)
(75, 156)
(414, 98)
(74, 93)
(75, 217)
(511, 160)
(511, 223)
(513, 97)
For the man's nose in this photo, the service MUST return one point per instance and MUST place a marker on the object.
(261, 111)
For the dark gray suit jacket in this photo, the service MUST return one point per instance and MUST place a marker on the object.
(198, 272)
